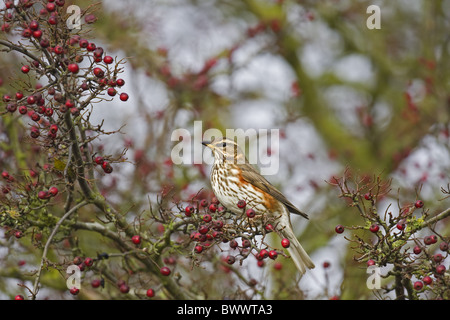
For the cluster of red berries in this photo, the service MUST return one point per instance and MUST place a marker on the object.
(106, 166)
(67, 54)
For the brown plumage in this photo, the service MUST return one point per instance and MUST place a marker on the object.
(233, 178)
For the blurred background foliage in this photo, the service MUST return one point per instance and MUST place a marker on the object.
(375, 102)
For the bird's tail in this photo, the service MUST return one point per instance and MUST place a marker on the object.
(301, 259)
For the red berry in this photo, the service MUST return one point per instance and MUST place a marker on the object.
(203, 229)
(207, 218)
(418, 285)
(108, 59)
(250, 213)
(417, 250)
(58, 49)
(212, 207)
(120, 82)
(374, 228)
(368, 196)
(23, 109)
(73, 67)
(273, 254)
(418, 204)
(269, 227)
(53, 191)
(285, 243)
(99, 160)
(438, 257)
(19, 297)
(165, 271)
(83, 43)
(136, 239)
(443, 246)
(427, 280)
(88, 262)
(440, 269)
(53, 128)
(427, 240)
(74, 291)
(99, 73)
(96, 283)
(91, 46)
(111, 92)
(230, 259)
(339, 228)
(204, 203)
(150, 293)
(189, 210)
(107, 168)
(198, 249)
(400, 226)
(124, 288)
(50, 7)
(370, 262)
(277, 266)
(43, 195)
(263, 254)
(241, 204)
(433, 238)
(123, 96)
(233, 244)
(18, 234)
(25, 69)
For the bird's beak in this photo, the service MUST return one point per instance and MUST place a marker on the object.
(207, 144)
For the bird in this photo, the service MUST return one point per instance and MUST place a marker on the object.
(233, 178)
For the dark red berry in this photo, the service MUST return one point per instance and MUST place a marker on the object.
(189, 210)
(165, 271)
(339, 228)
(250, 213)
(418, 285)
(123, 96)
(285, 243)
(374, 228)
(273, 254)
(427, 280)
(88, 262)
(230, 259)
(418, 204)
(440, 269)
(136, 239)
(150, 293)
(241, 204)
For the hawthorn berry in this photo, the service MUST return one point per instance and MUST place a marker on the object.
(233, 244)
(204, 203)
(124, 288)
(273, 254)
(106, 166)
(368, 196)
(53, 191)
(108, 59)
(285, 243)
(417, 250)
(88, 262)
(43, 195)
(418, 285)
(263, 254)
(241, 204)
(427, 280)
(18, 234)
(74, 291)
(98, 72)
(25, 69)
(418, 204)
(136, 239)
(250, 213)
(165, 271)
(123, 96)
(339, 228)
(19, 297)
(96, 283)
(269, 227)
(198, 248)
(99, 160)
(437, 257)
(189, 210)
(212, 208)
(207, 217)
(73, 67)
(370, 262)
(120, 82)
(230, 259)
(150, 293)
(443, 246)
(374, 228)
(440, 269)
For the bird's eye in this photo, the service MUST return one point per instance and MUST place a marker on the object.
(224, 145)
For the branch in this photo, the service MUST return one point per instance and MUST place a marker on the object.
(47, 244)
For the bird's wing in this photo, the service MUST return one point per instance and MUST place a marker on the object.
(253, 177)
